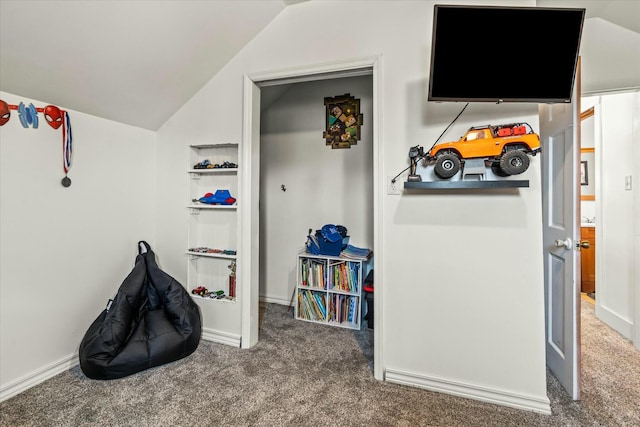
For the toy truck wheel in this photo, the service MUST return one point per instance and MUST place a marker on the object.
(514, 162)
(495, 168)
(447, 165)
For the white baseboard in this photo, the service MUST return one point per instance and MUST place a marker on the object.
(36, 377)
(470, 391)
(232, 339)
(274, 300)
(221, 337)
(611, 318)
(40, 375)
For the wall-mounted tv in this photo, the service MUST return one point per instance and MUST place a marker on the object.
(504, 54)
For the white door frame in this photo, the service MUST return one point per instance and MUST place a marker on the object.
(248, 253)
(636, 209)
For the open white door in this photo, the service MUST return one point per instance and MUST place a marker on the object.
(559, 132)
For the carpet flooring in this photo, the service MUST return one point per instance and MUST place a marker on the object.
(305, 374)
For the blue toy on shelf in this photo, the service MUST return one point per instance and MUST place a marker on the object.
(221, 197)
(330, 240)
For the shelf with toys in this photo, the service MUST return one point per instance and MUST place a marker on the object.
(213, 222)
(221, 289)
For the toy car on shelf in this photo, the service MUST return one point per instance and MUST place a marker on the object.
(206, 250)
(200, 290)
(505, 147)
(206, 164)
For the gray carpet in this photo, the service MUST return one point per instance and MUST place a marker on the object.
(304, 374)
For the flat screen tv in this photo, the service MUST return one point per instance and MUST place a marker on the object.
(504, 54)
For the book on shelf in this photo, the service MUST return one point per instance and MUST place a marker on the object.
(344, 276)
(309, 311)
(312, 273)
(314, 301)
(354, 252)
(331, 308)
(303, 272)
(320, 303)
(354, 310)
(351, 308)
(302, 310)
(345, 308)
(313, 314)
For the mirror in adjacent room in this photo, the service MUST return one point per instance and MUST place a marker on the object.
(587, 174)
(587, 158)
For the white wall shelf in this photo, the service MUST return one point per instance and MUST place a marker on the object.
(446, 185)
(212, 226)
(220, 145)
(213, 300)
(203, 206)
(214, 171)
(211, 255)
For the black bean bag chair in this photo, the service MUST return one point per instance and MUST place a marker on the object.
(151, 321)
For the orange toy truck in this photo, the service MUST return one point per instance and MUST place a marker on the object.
(506, 147)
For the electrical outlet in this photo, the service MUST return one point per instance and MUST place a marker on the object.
(394, 187)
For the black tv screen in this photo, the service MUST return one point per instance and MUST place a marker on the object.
(504, 54)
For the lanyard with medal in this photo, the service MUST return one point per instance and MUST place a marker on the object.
(55, 118)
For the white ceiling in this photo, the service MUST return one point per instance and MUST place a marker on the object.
(137, 62)
(625, 13)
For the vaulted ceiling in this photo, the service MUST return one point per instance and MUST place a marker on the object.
(135, 62)
(138, 62)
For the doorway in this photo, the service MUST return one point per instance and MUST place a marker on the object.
(304, 183)
(608, 135)
(249, 247)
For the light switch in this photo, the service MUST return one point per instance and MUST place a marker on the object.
(627, 182)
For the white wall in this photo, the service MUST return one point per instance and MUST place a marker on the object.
(65, 251)
(615, 215)
(323, 185)
(463, 306)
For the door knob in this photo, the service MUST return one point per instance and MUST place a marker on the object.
(566, 243)
(585, 244)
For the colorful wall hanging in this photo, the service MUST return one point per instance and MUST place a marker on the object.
(54, 116)
(343, 121)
